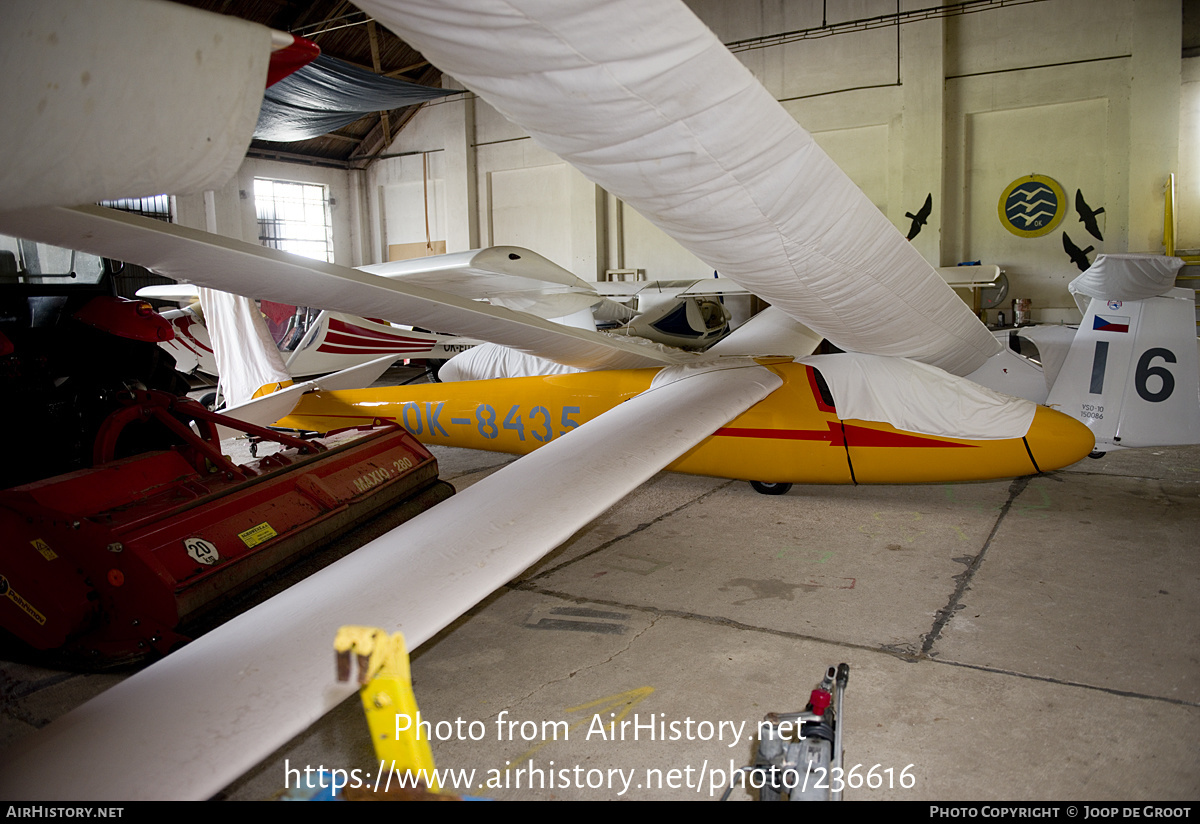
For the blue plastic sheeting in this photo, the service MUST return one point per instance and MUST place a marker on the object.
(326, 95)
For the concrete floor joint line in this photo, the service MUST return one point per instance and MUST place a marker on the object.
(943, 616)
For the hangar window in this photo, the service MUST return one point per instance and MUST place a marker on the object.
(155, 206)
(294, 217)
(127, 277)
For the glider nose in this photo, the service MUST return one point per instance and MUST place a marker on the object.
(1056, 440)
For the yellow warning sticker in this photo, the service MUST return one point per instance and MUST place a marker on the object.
(256, 535)
(44, 548)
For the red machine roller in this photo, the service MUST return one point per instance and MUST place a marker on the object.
(107, 562)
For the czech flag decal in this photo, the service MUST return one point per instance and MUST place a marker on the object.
(1112, 323)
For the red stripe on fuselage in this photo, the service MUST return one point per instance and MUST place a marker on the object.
(856, 435)
(184, 324)
(385, 350)
(357, 340)
(336, 325)
(182, 344)
(833, 435)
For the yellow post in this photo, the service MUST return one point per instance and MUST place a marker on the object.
(1169, 217)
(387, 698)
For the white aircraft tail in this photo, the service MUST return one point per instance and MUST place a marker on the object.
(1132, 374)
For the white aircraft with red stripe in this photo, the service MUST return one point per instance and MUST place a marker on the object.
(340, 336)
(317, 344)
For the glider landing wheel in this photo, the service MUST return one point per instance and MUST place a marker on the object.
(210, 401)
(435, 366)
(770, 489)
(1097, 454)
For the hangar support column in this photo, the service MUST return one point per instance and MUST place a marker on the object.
(1153, 117)
(462, 198)
(589, 227)
(922, 76)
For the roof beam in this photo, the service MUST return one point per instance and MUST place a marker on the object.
(373, 35)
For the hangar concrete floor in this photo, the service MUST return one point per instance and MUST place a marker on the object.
(1027, 639)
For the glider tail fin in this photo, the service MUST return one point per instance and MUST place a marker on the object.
(1132, 373)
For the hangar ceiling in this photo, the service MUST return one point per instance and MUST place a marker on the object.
(344, 32)
(347, 33)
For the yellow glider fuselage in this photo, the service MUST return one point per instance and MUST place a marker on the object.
(793, 436)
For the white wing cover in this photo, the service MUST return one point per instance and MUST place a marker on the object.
(123, 98)
(644, 100)
(247, 269)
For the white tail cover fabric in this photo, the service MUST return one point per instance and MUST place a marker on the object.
(105, 99)
(1125, 277)
(645, 101)
(187, 726)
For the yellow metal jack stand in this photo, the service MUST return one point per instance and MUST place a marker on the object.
(387, 698)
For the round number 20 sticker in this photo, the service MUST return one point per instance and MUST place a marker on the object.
(201, 550)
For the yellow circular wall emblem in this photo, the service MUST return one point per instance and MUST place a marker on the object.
(1032, 206)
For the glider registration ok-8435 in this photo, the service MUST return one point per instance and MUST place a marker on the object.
(806, 431)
